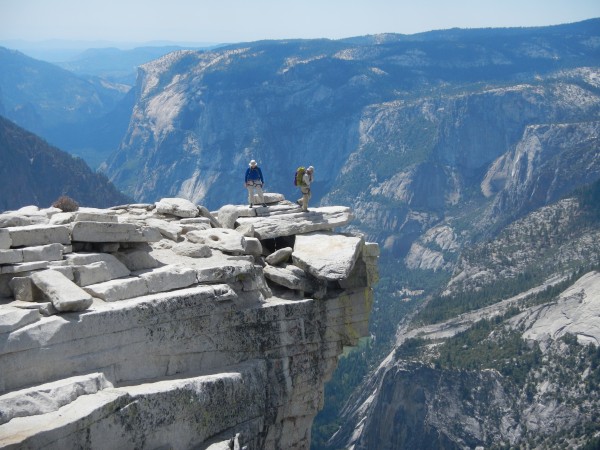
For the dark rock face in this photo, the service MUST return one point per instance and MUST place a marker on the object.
(33, 172)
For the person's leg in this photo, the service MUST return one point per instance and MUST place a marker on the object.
(250, 195)
(305, 198)
(261, 198)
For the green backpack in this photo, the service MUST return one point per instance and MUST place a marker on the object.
(298, 177)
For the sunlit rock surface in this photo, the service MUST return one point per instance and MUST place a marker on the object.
(150, 326)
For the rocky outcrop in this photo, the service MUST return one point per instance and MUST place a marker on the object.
(144, 326)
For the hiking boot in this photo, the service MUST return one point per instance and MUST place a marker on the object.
(250, 205)
(264, 204)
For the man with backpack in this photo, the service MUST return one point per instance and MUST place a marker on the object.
(304, 179)
(254, 182)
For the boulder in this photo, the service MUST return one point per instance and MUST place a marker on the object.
(186, 228)
(14, 220)
(196, 220)
(62, 292)
(167, 278)
(216, 270)
(279, 256)
(121, 289)
(29, 210)
(327, 256)
(93, 273)
(192, 250)
(67, 271)
(371, 250)
(316, 219)
(32, 235)
(179, 207)
(23, 267)
(62, 218)
(11, 256)
(107, 247)
(204, 212)
(283, 207)
(227, 215)
(14, 318)
(50, 252)
(24, 290)
(113, 232)
(49, 397)
(5, 240)
(116, 268)
(224, 239)
(137, 258)
(246, 230)
(291, 277)
(252, 246)
(83, 216)
(272, 197)
(47, 309)
(170, 230)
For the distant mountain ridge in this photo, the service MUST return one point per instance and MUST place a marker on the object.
(34, 173)
(65, 109)
(117, 65)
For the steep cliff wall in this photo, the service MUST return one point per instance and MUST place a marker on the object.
(507, 355)
(153, 326)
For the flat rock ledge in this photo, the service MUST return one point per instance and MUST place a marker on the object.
(166, 325)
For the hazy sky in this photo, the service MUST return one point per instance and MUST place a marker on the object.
(248, 20)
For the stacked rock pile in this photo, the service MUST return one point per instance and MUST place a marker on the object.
(64, 260)
(251, 305)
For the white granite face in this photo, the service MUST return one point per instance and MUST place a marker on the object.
(294, 222)
(177, 207)
(147, 326)
(577, 312)
(5, 240)
(279, 256)
(335, 256)
(64, 295)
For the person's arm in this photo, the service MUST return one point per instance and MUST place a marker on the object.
(247, 174)
(261, 176)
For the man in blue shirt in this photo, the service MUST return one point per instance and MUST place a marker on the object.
(254, 183)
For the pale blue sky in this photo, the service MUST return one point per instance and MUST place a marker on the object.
(249, 20)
